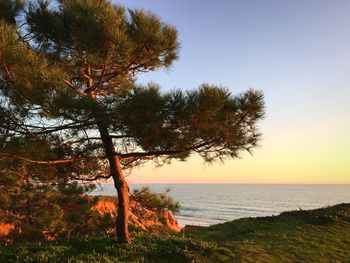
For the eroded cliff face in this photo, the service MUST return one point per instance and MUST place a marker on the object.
(5, 229)
(140, 217)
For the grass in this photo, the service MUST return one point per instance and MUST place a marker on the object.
(145, 248)
(321, 235)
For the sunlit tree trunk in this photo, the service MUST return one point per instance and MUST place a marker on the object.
(123, 205)
(120, 185)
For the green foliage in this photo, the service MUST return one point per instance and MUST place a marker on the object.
(85, 46)
(9, 9)
(145, 248)
(28, 70)
(156, 201)
(208, 121)
(104, 32)
(68, 97)
(296, 236)
(45, 209)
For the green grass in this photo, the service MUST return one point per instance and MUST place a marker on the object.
(146, 247)
(321, 235)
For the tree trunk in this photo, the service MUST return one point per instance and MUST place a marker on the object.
(123, 207)
(120, 185)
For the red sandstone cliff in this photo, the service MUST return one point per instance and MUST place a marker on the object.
(140, 217)
(5, 229)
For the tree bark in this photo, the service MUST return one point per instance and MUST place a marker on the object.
(120, 185)
(123, 207)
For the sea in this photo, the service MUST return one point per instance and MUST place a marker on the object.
(208, 204)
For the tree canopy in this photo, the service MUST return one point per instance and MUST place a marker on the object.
(68, 78)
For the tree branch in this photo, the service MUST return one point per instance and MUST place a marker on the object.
(47, 162)
(97, 177)
(8, 73)
(74, 87)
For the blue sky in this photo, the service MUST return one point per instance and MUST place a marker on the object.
(297, 53)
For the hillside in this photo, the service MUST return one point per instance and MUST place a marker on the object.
(141, 218)
(321, 235)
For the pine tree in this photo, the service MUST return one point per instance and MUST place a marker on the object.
(68, 74)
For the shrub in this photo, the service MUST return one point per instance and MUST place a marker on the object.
(156, 201)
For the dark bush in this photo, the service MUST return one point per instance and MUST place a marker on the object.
(156, 201)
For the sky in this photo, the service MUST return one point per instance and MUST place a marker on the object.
(297, 53)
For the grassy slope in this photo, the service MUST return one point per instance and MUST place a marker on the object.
(321, 235)
(145, 248)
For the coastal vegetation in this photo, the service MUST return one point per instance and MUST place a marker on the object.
(156, 201)
(320, 235)
(70, 104)
(68, 213)
(73, 115)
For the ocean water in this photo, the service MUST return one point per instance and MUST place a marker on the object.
(207, 204)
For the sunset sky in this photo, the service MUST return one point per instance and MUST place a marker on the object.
(297, 53)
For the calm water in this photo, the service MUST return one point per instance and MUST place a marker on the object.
(207, 204)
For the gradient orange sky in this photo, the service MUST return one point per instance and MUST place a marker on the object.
(297, 53)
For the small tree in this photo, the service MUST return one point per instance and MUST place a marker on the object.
(68, 71)
(156, 201)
